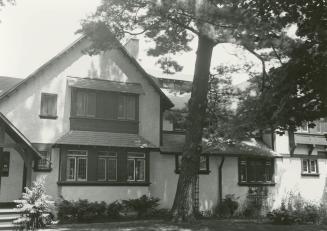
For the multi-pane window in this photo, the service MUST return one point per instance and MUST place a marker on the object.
(256, 170)
(45, 162)
(309, 166)
(204, 164)
(48, 105)
(135, 166)
(126, 107)
(85, 103)
(107, 166)
(77, 165)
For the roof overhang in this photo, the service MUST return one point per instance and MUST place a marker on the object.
(17, 136)
(105, 85)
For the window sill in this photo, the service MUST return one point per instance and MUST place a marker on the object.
(256, 183)
(310, 174)
(42, 170)
(101, 183)
(48, 117)
(105, 119)
(202, 172)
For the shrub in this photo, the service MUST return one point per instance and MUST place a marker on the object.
(142, 205)
(35, 207)
(85, 211)
(227, 207)
(297, 211)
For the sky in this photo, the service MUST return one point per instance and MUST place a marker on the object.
(33, 31)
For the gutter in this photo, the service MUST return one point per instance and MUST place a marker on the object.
(220, 185)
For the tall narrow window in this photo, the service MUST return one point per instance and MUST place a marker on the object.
(107, 166)
(136, 167)
(85, 103)
(126, 107)
(48, 105)
(77, 165)
(203, 168)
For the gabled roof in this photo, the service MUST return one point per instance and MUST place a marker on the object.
(7, 83)
(166, 100)
(17, 136)
(108, 139)
(173, 143)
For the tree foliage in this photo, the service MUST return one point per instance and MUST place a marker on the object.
(252, 24)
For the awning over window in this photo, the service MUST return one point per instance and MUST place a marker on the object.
(109, 139)
(105, 85)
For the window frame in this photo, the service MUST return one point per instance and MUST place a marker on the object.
(301, 130)
(201, 171)
(107, 157)
(38, 167)
(124, 99)
(77, 157)
(309, 171)
(267, 162)
(5, 159)
(129, 156)
(44, 100)
(86, 98)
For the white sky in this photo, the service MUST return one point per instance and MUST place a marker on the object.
(33, 31)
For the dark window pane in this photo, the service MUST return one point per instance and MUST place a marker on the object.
(130, 170)
(101, 171)
(71, 168)
(81, 169)
(5, 163)
(112, 169)
(140, 169)
(48, 104)
(130, 107)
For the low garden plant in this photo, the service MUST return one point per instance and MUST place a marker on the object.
(227, 207)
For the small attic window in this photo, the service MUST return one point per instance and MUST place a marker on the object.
(48, 106)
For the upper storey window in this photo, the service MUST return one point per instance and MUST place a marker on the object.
(85, 103)
(126, 107)
(48, 106)
(105, 105)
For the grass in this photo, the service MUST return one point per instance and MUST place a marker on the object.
(202, 225)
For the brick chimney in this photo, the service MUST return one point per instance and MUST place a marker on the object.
(132, 46)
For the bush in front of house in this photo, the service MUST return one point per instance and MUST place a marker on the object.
(143, 206)
(227, 207)
(35, 206)
(295, 210)
(86, 211)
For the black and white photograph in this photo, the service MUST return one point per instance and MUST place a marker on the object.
(144, 115)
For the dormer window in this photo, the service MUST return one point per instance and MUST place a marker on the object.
(48, 106)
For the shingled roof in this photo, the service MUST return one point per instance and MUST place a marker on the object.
(108, 139)
(173, 143)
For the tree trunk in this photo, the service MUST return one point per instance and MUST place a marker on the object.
(183, 209)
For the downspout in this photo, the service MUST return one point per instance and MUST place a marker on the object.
(220, 185)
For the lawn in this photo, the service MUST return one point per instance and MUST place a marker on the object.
(203, 225)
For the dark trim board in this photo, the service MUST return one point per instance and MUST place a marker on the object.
(99, 183)
(5, 205)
